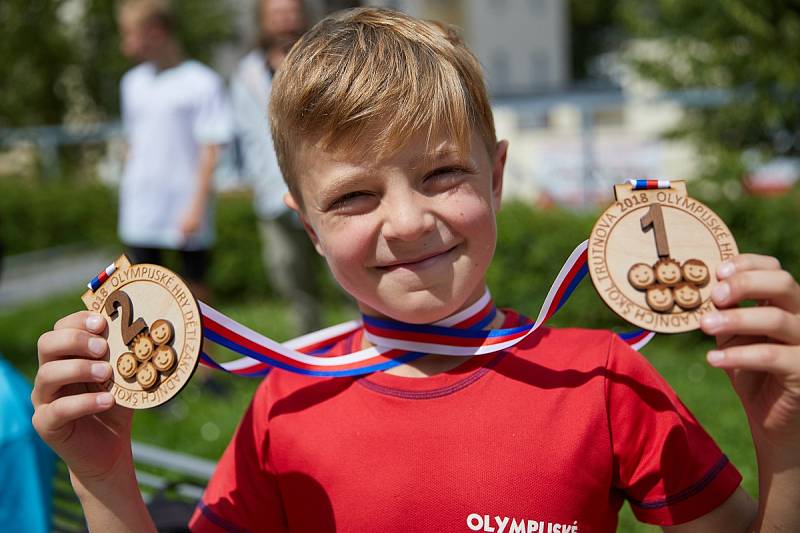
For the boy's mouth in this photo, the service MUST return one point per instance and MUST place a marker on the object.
(418, 262)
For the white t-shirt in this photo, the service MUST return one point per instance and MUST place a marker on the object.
(168, 116)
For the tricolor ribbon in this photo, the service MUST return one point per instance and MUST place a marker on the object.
(640, 185)
(101, 278)
(394, 343)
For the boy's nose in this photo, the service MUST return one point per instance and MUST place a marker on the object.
(408, 217)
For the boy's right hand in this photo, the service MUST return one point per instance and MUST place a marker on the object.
(84, 427)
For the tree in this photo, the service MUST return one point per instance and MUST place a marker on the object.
(750, 48)
(593, 31)
(35, 50)
(61, 58)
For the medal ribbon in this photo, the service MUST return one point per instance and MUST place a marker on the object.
(395, 343)
(644, 185)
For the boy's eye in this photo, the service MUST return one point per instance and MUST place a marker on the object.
(351, 201)
(446, 176)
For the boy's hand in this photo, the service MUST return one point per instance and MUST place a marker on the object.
(84, 427)
(191, 222)
(759, 347)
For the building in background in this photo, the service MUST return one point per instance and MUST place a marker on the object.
(523, 45)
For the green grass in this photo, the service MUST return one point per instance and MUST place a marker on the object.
(199, 422)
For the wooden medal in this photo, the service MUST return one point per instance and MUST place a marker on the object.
(653, 257)
(154, 332)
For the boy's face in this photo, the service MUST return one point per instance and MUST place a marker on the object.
(139, 39)
(409, 236)
(282, 22)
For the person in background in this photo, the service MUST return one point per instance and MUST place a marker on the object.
(26, 463)
(288, 256)
(176, 114)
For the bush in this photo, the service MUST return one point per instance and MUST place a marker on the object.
(532, 247)
(34, 216)
(236, 270)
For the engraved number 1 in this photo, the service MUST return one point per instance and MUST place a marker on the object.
(655, 219)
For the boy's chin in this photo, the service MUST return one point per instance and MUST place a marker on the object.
(419, 307)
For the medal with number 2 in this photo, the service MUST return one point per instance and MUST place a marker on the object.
(154, 344)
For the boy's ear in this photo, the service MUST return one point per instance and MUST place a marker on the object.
(292, 204)
(500, 155)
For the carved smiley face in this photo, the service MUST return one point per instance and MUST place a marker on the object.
(696, 272)
(147, 375)
(641, 276)
(164, 358)
(668, 272)
(126, 365)
(687, 296)
(161, 331)
(143, 347)
(659, 298)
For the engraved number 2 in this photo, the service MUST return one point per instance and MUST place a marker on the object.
(655, 219)
(130, 329)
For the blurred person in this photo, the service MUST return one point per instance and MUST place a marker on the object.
(26, 463)
(176, 115)
(288, 256)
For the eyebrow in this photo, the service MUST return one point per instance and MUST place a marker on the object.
(343, 184)
(436, 156)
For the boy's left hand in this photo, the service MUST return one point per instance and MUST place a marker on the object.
(759, 347)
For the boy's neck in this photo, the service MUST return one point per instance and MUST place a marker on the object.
(273, 57)
(431, 364)
(171, 55)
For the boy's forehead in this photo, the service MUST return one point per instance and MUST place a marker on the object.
(419, 149)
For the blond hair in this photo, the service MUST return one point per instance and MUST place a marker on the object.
(372, 78)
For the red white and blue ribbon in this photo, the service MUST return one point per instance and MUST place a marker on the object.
(640, 185)
(394, 343)
(101, 278)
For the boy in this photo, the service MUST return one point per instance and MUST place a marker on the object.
(384, 134)
(176, 114)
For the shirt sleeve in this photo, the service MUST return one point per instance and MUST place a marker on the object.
(665, 463)
(243, 493)
(213, 122)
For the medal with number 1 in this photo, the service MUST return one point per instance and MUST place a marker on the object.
(653, 255)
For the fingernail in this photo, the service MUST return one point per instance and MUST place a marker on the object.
(94, 323)
(715, 356)
(97, 346)
(721, 292)
(711, 322)
(100, 370)
(104, 399)
(725, 269)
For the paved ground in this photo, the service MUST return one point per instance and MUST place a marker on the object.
(37, 275)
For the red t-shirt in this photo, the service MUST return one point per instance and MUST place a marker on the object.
(556, 431)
